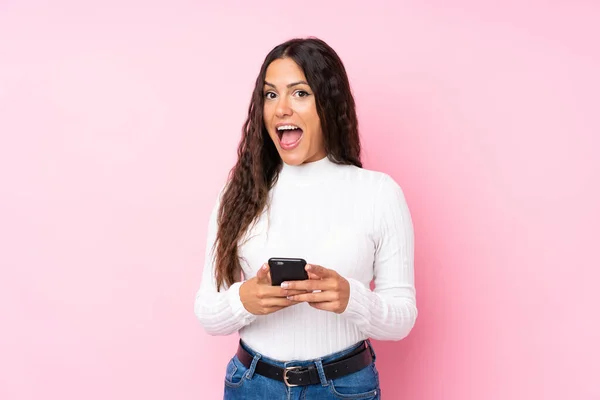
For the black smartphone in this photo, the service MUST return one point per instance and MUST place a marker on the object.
(287, 269)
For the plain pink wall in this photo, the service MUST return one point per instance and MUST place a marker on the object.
(119, 121)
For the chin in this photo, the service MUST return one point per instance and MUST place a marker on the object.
(293, 158)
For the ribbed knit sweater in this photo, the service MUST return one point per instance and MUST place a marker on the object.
(353, 220)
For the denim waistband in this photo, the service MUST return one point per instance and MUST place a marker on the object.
(324, 359)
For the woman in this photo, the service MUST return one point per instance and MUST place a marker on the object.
(299, 190)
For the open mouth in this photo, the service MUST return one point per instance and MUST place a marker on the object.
(289, 136)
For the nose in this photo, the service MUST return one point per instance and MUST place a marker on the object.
(283, 108)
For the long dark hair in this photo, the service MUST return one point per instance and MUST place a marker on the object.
(259, 163)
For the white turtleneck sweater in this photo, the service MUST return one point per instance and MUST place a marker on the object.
(348, 219)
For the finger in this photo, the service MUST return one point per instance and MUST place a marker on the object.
(313, 276)
(293, 292)
(263, 274)
(276, 291)
(270, 310)
(320, 271)
(277, 302)
(315, 297)
(310, 285)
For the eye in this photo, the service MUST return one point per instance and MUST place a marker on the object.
(302, 93)
(270, 95)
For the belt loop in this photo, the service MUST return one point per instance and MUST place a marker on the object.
(252, 369)
(370, 346)
(321, 372)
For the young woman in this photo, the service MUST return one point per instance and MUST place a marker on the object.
(298, 190)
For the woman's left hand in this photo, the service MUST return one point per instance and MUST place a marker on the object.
(334, 289)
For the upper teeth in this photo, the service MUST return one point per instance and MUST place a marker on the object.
(284, 127)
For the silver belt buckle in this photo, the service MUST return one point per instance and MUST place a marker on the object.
(285, 377)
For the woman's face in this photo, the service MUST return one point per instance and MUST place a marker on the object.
(290, 114)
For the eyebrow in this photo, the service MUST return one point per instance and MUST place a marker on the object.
(290, 85)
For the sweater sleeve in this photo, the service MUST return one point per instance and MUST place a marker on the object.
(389, 311)
(220, 312)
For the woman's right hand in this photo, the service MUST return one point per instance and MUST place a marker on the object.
(259, 297)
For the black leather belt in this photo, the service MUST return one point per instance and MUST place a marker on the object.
(308, 375)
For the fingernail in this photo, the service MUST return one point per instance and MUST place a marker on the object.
(308, 267)
(285, 285)
(290, 297)
(264, 266)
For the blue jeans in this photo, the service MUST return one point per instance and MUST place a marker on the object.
(243, 383)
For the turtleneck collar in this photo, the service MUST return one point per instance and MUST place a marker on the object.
(308, 172)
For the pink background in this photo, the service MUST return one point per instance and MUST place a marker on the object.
(119, 121)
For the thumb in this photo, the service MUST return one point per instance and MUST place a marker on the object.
(262, 276)
(317, 271)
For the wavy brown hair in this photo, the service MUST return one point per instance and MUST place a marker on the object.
(259, 163)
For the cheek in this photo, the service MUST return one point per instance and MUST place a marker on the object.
(269, 109)
(311, 118)
(315, 126)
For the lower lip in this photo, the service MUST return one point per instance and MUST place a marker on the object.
(291, 146)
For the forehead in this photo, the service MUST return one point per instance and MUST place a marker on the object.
(284, 71)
